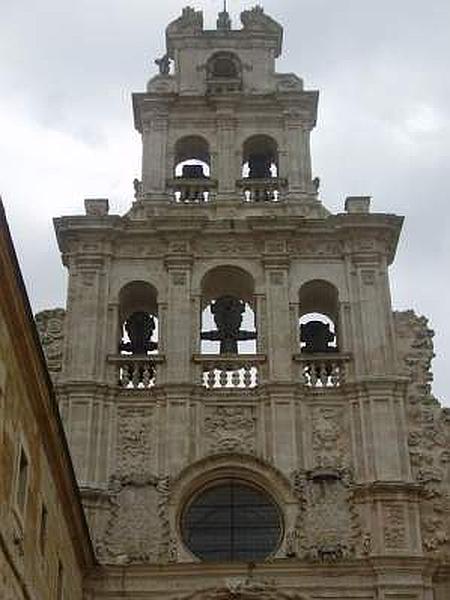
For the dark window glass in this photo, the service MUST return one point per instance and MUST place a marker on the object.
(232, 522)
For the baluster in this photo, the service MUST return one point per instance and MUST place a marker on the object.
(125, 379)
(146, 376)
(247, 376)
(235, 378)
(210, 378)
(255, 376)
(313, 374)
(223, 377)
(335, 374)
(135, 378)
(323, 373)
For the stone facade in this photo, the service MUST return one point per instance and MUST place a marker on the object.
(45, 548)
(341, 429)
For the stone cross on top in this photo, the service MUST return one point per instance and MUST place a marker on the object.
(227, 312)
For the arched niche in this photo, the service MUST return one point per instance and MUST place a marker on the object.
(192, 159)
(228, 311)
(138, 318)
(260, 157)
(319, 317)
(224, 73)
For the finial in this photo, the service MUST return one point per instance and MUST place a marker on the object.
(224, 21)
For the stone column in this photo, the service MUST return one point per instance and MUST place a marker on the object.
(178, 327)
(226, 164)
(154, 152)
(298, 152)
(279, 333)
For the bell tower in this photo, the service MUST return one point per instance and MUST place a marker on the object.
(233, 380)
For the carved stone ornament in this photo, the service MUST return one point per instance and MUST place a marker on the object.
(429, 431)
(50, 325)
(329, 438)
(243, 588)
(191, 21)
(328, 527)
(134, 448)
(394, 527)
(137, 529)
(230, 429)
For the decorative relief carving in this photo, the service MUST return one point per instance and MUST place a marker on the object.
(429, 431)
(243, 588)
(134, 448)
(227, 248)
(134, 250)
(328, 524)
(230, 429)
(179, 278)
(50, 325)
(310, 247)
(329, 438)
(137, 529)
(394, 527)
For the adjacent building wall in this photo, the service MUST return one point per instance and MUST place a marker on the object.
(44, 544)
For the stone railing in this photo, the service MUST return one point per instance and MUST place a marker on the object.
(230, 372)
(262, 190)
(192, 191)
(323, 370)
(135, 372)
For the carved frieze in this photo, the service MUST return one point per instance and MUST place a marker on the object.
(227, 247)
(50, 325)
(314, 247)
(230, 429)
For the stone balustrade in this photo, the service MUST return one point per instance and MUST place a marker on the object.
(262, 190)
(192, 191)
(135, 372)
(322, 370)
(230, 372)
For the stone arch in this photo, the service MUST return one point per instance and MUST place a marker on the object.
(260, 157)
(227, 304)
(221, 467)
(192, 157)
(227, 279)
(138, 317)
(319, 316)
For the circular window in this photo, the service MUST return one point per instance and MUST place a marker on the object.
(232, 521)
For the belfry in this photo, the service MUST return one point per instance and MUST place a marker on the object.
(247, 416)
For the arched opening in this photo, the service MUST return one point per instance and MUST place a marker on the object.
(192, 158)
(192, 169)
(224, 73)
(318, 317)
(260, 158)
(138, 319)
(228, 314)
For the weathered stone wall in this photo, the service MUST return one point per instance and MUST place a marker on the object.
(32, 555)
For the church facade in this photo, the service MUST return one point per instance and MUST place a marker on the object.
(246, 415)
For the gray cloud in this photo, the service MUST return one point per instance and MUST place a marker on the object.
(67, 71)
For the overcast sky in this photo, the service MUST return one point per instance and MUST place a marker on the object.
(67, 70)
